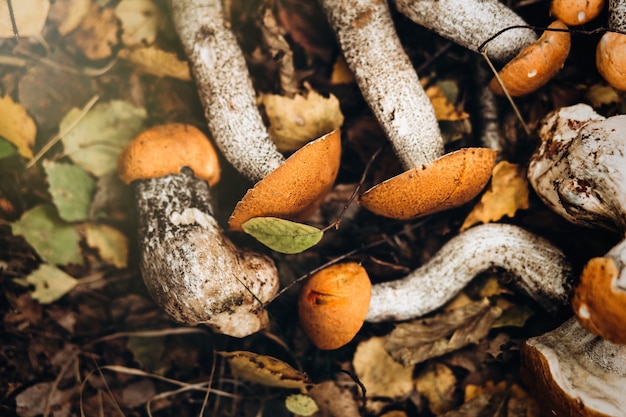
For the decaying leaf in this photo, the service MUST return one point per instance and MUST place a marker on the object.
(443, 103)
(155, 61)
(437, 384)
(265, 370)
(55, 241)
(96, 140)
(282, 235)
(97, 33)
(341, 73)
(513, 314)
(110, 243)
(301, 404)
(379, 372)
(141, 20)
(601, 95)
(518, 402)
(419, 340)
(334, 401)
(50, 283)
(298, 120)
(71, 188)
(30, 17)
(507, 193)
(34, 400)
(17, 126)
(68, 14)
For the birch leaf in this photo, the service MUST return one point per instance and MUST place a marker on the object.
(71, 188)
(50, 283)
(265, 370)
(16, 126)
(281, 235)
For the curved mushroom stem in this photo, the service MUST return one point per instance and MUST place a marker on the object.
(471, 23)
(387, 79)
(224, 87)
(572, 372)
(534, 265)
(190, 268)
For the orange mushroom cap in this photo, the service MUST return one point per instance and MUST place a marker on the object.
(536, 64)
(295, 189)
(447, 182)
(576, 12)
(611, 59)
(333, 304)
(598, 303)
(165, 149)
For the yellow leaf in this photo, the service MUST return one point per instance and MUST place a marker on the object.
(444, 109)
(17, 126)
(30, 17)
(437, 383)
(341, 73)
(507, 193)
(97, 33)
(155, 61)
(296, 121)
(110, 242)
(265, 370)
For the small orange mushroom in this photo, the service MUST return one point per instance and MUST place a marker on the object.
(611, 60)
(536, 64)
(333, 304)
(599, 303)
(576, 12)
(296, 188)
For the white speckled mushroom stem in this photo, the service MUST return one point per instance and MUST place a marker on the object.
(617, 15)
(386, 77)
(588, 369)
(190, 268)
(533, 265)
(487, 109)
(224, 87)
(469, 23)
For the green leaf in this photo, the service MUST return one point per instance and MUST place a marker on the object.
(54, 240)
(283, 235)
(50, 283)
(301, 404)
(97, 139)
(6, 148)
(72, 190)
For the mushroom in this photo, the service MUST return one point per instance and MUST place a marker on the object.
(610, 59)
(574, 373)
(288, 188)
(470, 23)
(536, 64)
(189, 267)
(578, 171)
(432, 182)
(576, 12)
(531, 263)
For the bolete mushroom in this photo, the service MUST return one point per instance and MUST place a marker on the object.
(576, 12)
(536, 64)
(574, 373)
(189, 267)
(432, 182)
(610, 59)
(289, 189)
(578, 171)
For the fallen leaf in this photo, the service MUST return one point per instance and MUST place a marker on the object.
(34, 400)
(112, 245)
(334, 401)
(381, 375)
(419, 340)
(443, 103)
(282, 235)
(155, 61)
(472, 408)
(601, 95)
(50, 283)
(141, 20)
(30, 17)
(97, 33)
(71, 188)
(6, 148)
(68, 14)
(437, 384)
(301, 404)
(513, 314)
(96, 140)
(341, 73)
(507, 193)
(265, 370)
(16, 126)
(512, 392)
(298, 120)
(149, 352)
(112, 198)
(55, 241)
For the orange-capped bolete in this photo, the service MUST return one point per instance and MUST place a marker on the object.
(190, 268)
(391, 88)
(610, 59)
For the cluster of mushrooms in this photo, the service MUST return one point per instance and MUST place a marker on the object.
(196, 274)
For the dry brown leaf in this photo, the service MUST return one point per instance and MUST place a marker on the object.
(419, 340)
(437, 384)
(155, 61)
(30, 17)
(141, 20)
(381, 375)
(518, 398)
(17, 126)
(298, 120)
(334, 401)
(68, 14)
(507, 193)
(97, 33)
(265, 370)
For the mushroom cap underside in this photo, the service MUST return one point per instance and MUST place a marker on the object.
(296, 188)
(447, 182)
(165, 149)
